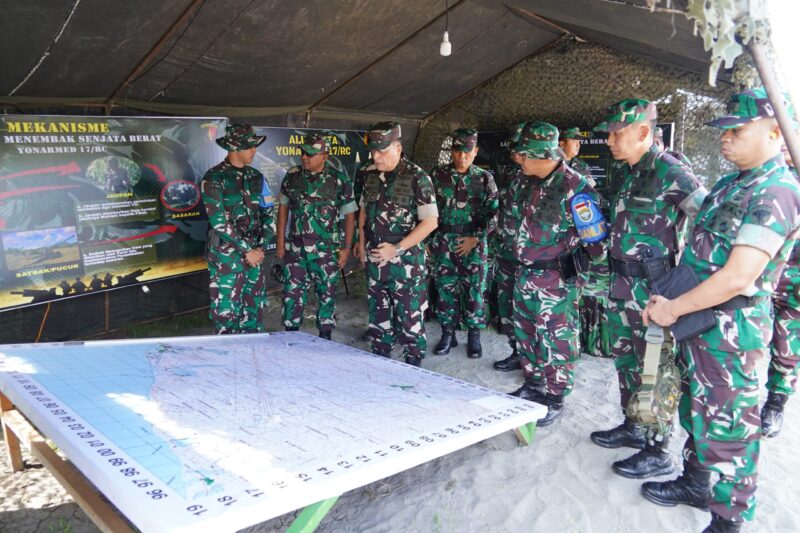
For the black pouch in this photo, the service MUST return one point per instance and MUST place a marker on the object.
(582, 259)
(567, 267)
(672, 284)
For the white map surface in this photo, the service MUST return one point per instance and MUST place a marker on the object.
(220, 433)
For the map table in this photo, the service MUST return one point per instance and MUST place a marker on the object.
(220, 433)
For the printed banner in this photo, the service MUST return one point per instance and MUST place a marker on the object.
(93, 203)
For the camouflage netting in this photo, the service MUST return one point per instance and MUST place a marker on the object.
(570, 84)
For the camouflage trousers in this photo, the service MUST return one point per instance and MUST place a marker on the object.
(595, 338)
(504, 277)
(460, 280)
(318, 268)
(719, 410)
(238, 299)
(784, 350)
(396, 306)
(546, 327)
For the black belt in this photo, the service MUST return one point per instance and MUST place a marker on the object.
(738, 302)
(633, 269)
(461, 229)
(377, 238)
(252, 235)
(544, 264)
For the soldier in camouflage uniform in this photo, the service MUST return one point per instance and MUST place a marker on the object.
(785, 347)
(742, 237)
(651, 209)
(658, 140)
(548, 249)
(315, 194)
(513, 189)
(398, 210)
(570, 143)
(240, 214)
(466, 197)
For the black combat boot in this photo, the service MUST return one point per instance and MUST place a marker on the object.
(653, 460)
(447, 341)
(413, 360)
(721, 525)
(693, 487)
(287, 328)
(474, 350)
(772, 414)
(325, 334)
(511, 362)
(555, 407)
(532, 389)
(629, 434)
(383, 352)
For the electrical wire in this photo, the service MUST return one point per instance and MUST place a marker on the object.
(44, 321)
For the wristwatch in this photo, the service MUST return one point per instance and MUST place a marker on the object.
(399, 250)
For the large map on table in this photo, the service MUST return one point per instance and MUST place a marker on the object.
(219, 433)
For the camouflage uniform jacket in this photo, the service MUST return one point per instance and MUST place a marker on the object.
(547, 228)
(238, 223)
(650, 209)
(393, 202)
(509, 217)
(788, 291)
(580, 166)
(469, 198)
(760, 208)
(315, 202)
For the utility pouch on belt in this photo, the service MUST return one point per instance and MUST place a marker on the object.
(566, 266)
(656, 401)
(677, 281)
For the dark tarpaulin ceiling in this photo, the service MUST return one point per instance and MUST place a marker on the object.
(363, 56)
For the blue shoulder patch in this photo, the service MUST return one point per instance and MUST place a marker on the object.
(588, 220)
(266, 199)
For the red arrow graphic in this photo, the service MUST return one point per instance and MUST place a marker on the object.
(20, 192)
(162, 229)
(161, 177)
(62, 170)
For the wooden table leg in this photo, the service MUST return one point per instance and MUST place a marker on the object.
(13, 450)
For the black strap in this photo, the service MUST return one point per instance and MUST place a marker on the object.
(544, 264)
(461, 229)
(632, 269)
(375, 239)
(738, 302)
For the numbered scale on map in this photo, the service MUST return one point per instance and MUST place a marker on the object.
(219, 433)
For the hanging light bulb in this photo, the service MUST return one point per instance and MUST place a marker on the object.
(444, 48)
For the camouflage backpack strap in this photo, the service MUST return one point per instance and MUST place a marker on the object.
(656, 401)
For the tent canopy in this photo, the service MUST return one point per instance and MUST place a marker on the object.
(363, 57)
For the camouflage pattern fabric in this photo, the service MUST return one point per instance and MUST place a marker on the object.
(545, 306)
(315, 203)
(759, 208)
(396, 290)
(581, 167)
(655, 199)
(238, 224)
(468, 199)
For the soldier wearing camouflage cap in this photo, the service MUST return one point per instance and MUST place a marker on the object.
(398, 210)
(242, 225)
(570, 143)
(466, 197)
(558, 217)
(317, 196)
(513, 187)
(784, 350)
(649, 215)
(741, 239)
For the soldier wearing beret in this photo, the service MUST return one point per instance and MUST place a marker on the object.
(466, 197)
(742, 237)
(398, 210)
(240, 213)
(318, 197)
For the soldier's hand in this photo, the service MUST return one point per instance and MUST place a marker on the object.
(383, 253)
(344, 255)
(466, 244)
(659, 311)
(254, 257)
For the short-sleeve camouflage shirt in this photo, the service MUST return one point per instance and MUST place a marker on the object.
(465, 198)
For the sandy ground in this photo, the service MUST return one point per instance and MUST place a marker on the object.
(561, 482)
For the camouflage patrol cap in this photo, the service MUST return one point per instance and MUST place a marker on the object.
(514, 139)
(240, 137)
(382, 134)
(464, 140)
(539, 140)
(571, 133)
(627, 112)
(746, 107)
(315, 144)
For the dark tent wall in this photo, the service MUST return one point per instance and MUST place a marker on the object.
(570, 84)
